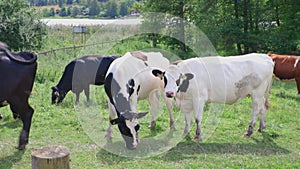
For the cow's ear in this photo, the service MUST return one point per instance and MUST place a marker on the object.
(140, 115)
(114, 121)
(158, 73)
(188, 76)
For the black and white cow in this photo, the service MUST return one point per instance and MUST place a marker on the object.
(123, 89)
(79, 74)
(197, 81)
(17, 73)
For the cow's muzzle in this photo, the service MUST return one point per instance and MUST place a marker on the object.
(170, 94)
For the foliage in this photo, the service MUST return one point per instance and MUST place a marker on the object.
(111, 9)
(94, 8)
(239, 26)
(20, 26)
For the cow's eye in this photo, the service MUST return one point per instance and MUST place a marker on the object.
(137, 127)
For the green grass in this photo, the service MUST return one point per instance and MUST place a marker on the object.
(277, 147)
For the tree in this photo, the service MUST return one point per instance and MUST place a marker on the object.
(111, 9)
(46, 12)
(177, 8)
(94, 8)
(75, 11)
(69, 9)
(20, 26)
(69, 2)
(123, 9)
(63, 12)
(52, 12)
(61, 3)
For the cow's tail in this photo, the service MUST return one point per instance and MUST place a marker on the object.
(267, 93)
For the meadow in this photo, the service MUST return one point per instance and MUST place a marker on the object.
(68, 125)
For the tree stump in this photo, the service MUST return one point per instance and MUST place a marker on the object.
(50, 157)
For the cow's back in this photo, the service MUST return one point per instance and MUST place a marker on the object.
(227, 79)
(125, 68)
(17, 78)
(286, 67)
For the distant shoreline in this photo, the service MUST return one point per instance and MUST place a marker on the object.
(90, 22)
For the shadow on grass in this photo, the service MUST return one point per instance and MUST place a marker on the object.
(7, 122)
(8, 161)
(188, 148)
(287, 96)
(264, 147)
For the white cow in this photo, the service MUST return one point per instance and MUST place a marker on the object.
(125, 84)
(197, 81)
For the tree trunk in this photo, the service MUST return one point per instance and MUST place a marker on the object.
(236, 13)
(50, 157)
(277, 14)
(181, 27)
(246, 22)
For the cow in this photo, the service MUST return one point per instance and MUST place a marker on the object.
(123, 89)
(196, 81)
(79, 74)
(287, 68)
(17, 73)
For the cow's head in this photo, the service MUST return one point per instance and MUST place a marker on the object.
(57, 95)
(128, 126)
(174, 80)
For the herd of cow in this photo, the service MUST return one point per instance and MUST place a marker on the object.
(141, 75)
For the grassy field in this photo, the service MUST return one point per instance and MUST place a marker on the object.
(68, 125)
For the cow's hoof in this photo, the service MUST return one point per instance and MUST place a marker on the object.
(108, 136)
(197, 138)
(172, 125)
(259, 130)
(152, 125)
(21, 147)
(186, 134)
(246, 135)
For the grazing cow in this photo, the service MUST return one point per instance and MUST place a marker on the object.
(79, 74)
(17, 73)
(123, 89)
(287, 68)
(197, 81)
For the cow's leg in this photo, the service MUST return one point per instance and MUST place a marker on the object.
(1, 116)
(170, 109)
(153, 101)
(87, 93)
(262, 119)
(298, 85)
(198, 108)
(26, 113)
(112, 114)
(15, 115)
(257, 106)
(77, 97)
(186, 107)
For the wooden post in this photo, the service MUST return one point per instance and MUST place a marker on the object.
(50, 157)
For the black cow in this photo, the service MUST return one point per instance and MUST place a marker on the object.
(17, 73)
(79, 74)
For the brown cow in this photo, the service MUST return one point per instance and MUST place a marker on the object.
(287, 67)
